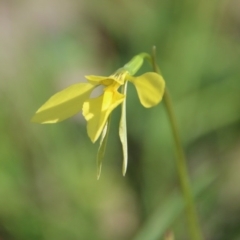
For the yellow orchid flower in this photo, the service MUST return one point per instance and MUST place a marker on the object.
(66, 103)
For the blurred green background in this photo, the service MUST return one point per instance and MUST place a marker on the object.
(48, 186)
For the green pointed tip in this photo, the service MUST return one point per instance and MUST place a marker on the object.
(99, 172)
(124, 170)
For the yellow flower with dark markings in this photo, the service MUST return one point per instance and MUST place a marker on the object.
(68, 102)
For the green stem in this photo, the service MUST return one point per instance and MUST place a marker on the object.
(181, 163)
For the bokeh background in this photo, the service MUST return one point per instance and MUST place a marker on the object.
(48, 186)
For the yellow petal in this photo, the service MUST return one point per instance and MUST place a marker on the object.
(150, 88)
(119, 76)
(63, 104)
(107, 100)
(96, 115)
(99, 80)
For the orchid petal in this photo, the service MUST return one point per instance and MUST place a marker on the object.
(119, 77)
(96, 113)
(63, 104)
(100, 80)
(150, 88)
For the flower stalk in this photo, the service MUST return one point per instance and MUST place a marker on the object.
(181, 164)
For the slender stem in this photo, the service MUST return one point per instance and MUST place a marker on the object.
(181, 163)
(193, 223)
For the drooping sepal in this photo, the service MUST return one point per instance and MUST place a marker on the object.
(123, 131)
(102, 146)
